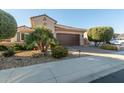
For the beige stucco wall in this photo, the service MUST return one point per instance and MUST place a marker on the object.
(14, 39)
(39, 21)
(22, 29)
(85, 35)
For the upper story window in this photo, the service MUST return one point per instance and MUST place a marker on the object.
(44, 19)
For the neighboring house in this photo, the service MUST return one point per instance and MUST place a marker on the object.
(120, 37)
(66, 35)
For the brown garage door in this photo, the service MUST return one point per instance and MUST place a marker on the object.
(68, 39)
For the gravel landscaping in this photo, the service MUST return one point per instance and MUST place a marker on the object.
(24, 58)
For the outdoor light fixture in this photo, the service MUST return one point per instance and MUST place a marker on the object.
(79, 52)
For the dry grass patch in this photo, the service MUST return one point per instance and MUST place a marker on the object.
(26, 53)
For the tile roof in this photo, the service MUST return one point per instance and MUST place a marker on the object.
(69, 27)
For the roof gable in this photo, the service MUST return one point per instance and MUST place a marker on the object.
(44, 15)
(24, 29)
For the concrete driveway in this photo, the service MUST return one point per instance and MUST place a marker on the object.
(83, 69)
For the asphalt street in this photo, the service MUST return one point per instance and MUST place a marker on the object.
(117, 77)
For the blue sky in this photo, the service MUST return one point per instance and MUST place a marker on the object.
(83, 18)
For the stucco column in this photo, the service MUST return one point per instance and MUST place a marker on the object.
(81, 39)
(54, 34)
(18, 37)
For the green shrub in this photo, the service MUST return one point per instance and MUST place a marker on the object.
(3, 48)
(54, 44)
(8, 53)
(29, 47)
(100, 34)
(17, 47)
(8, 25)
(109, 47)
(42, 37)
(59, 52)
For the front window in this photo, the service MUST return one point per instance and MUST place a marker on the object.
(22, 36)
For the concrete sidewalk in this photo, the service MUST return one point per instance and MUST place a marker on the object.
(115, 55)
(84, 69)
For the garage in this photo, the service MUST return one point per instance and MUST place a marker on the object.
(68, 39)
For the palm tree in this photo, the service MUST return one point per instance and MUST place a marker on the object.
(43, 37)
